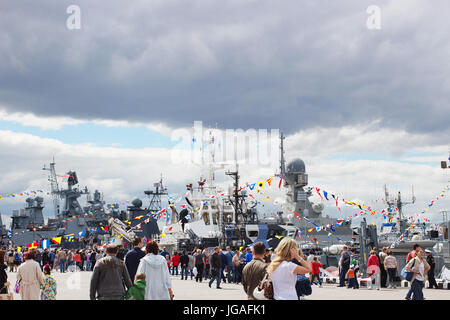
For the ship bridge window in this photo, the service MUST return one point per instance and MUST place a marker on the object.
(205, 216)
(274, 233)
(253, 233)
(215, 217)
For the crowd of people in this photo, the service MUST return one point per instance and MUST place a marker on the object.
(144, 272)
(382, 269)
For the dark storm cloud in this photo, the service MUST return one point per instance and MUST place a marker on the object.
(260, 64)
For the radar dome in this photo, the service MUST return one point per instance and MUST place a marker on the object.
(318, 207)
(296, 165)
(137, 203)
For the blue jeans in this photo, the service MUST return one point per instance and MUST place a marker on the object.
(184, 271)
(62, 264)
(234, 274)
(218, 276)
(410, 292)
(173, 270)
(416, 287)
(88, 266)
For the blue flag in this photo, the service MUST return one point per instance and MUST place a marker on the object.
(325, 194)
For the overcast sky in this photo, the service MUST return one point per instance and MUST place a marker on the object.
(362, 107)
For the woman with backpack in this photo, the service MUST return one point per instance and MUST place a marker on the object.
(283, 271)
(419, 267)
(17, 260)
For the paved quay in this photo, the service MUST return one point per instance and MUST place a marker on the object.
(75, 286)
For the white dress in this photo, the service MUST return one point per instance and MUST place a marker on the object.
(157, 277)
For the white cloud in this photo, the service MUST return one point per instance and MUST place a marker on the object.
(123, 174)
(30, 119)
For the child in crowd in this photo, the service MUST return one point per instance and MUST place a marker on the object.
(137, 291)
(352, 278)
(315, 266)
(48, 288)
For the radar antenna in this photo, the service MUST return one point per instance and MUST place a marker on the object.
(54, 186)
(155, 201)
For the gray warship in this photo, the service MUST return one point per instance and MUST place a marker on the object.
(209, 218)
(85, 224)
(310, 214)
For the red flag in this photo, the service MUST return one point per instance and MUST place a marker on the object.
(170, 229)
(32, 245)
(279, 184)
(317, 189)
(107, 228)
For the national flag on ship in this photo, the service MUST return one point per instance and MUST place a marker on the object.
(45, 244)
(32, 245)
(57, 240)
(69, 237)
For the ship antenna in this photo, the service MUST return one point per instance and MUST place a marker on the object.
(54, 186)
(282, 160)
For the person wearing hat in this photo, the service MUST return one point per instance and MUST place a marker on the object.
(432, 263)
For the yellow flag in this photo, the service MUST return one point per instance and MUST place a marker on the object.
(261, 184)
(19, 249)
(162, 235)
(1, 197)
(57, 240)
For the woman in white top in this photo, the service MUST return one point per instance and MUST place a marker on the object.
(284, 272)
(419, 267)
(154, 266)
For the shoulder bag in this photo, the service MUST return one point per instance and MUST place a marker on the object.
(264, 291)
(409, 275)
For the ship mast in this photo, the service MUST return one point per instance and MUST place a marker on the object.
(54, 186)
(282, 160)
